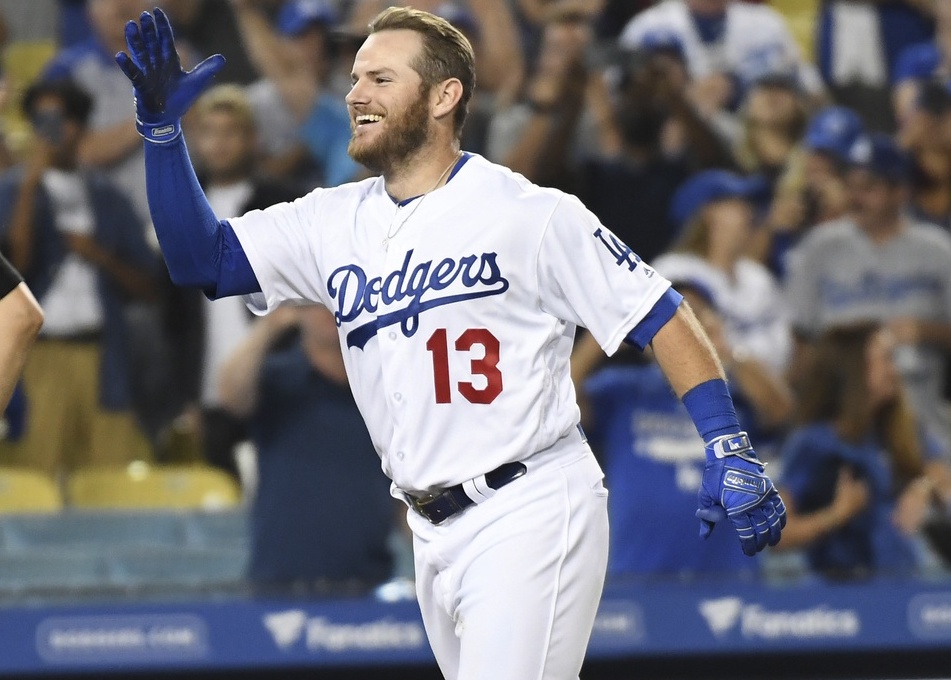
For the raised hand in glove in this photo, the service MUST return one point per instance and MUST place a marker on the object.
(736, 487)
(163, 90)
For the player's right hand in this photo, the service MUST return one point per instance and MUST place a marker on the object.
(163, 90)
(735, 487)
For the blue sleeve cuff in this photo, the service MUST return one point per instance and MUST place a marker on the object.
(662, 312)
(711, 408)
(235, 275)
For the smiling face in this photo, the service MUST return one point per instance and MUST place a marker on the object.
(389, 104)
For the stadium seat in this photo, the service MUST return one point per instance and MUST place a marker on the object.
(142, 486)
(93, 529)
(23, 490)
(22, 62)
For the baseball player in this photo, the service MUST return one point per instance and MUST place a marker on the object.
(457, 286)
(20, 321)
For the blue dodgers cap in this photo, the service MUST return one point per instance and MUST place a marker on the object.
(834, 130)
(709, 186)
(296, 16)
(880, 155)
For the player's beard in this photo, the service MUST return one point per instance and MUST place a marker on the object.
(406, 132)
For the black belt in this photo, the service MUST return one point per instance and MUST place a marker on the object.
(439, 507)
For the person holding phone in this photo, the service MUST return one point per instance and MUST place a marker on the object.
(82, 250)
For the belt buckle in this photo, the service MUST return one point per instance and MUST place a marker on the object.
(438, 514)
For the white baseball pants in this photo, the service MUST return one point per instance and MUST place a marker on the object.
(509, 588)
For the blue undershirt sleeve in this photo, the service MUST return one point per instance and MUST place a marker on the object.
(200, 251)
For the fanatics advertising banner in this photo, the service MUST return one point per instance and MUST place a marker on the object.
(634, 620)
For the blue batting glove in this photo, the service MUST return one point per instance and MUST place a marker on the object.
(735, 487)
(163, 90)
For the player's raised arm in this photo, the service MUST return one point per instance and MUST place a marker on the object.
(200, 250)
(734, 484)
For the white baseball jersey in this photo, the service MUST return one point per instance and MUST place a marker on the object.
(457, 334)
(756, 42)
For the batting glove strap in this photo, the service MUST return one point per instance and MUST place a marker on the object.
(732, 445)
(158, 133)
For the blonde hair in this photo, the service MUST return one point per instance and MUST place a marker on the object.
(695, 237)
(447, 53)
(227, 98)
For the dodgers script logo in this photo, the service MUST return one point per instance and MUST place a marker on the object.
(356, 293)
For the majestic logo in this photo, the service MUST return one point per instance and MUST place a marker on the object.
(356, 293)
(286, 627)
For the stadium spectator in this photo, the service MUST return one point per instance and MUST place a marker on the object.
(223, 141)
(537, 12)
(860, 475)
(858, 46)
(113, 147)
(714, 210)
(729, 46)
(81, 248)
(771, 120)
(652, 457)
(314, 458)
(651, 139)
(921, 63)
(112, 144)
(878, 264)
(209, 27)
(538, 136)
(304, 123)
(924, 134)
(811, 189)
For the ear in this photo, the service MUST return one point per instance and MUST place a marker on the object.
(445, 97)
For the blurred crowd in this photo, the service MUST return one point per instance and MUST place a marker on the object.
(786, 164)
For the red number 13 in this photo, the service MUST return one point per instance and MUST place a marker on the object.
(486, 366)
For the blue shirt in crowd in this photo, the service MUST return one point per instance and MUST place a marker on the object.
(812, 458)
(653, 460)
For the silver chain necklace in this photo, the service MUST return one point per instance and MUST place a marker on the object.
(390, 232)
